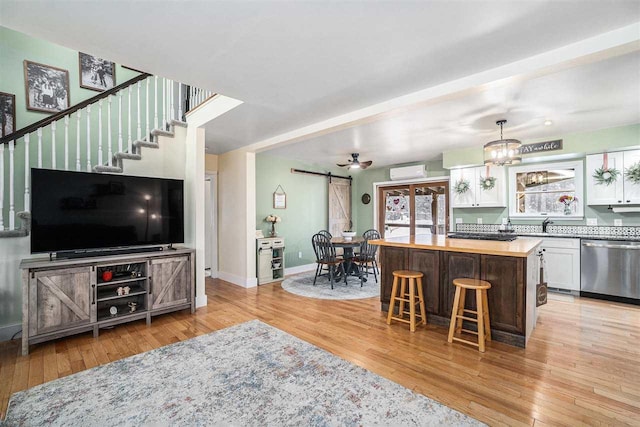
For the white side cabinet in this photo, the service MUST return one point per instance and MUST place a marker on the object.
(620, 192)
(562, 263)
(476, 197)
(270, 259)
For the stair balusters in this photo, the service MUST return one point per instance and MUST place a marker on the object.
(12, 207)
(100, 132)
(39, 131)
(53, 145)
(27, 175)
(109, 153)
(89, 138)
(78, 118)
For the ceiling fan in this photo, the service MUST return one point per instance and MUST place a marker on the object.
(354, 163)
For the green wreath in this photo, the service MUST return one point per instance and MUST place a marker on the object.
(606, 176)
(461, 186)
(487, 183)
(632, 173)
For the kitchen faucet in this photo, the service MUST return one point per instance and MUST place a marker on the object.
(546, 222)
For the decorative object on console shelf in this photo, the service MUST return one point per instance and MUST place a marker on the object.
(487, 182)
(567, 201)
(461, 186)
(502, 151)
(632, 173)
(107, 275)
(273, 219)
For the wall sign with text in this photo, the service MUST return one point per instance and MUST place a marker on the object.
(539, 147)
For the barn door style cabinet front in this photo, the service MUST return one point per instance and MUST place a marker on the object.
(69, 296)
(62, 299)
(169, 282)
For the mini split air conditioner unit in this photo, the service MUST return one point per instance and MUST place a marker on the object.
(408, 172)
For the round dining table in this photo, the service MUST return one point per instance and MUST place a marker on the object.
(351, 268)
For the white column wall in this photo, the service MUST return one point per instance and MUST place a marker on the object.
(194, 182)
(236, 218)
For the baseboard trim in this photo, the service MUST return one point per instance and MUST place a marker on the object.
(245, 282)
(299, 269)
(6, 332)
(201, 301)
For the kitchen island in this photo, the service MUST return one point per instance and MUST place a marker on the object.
(512, 268)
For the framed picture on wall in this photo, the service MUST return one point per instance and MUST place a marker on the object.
(7, 113)
(96, 73)
(47, 87)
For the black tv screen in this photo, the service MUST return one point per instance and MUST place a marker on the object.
(78, 211)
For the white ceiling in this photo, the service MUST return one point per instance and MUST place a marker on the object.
(297, 63)
(594, 96)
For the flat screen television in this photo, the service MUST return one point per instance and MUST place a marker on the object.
(75, 211)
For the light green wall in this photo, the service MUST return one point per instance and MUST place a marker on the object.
(15, 47)
(363, 183)
(575, 146)
(307, 204)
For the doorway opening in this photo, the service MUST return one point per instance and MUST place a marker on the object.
(413, 209)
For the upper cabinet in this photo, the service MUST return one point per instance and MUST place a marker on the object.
(609, 181)
(485, 187)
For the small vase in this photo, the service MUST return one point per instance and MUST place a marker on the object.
(273, 230)
(567, 209)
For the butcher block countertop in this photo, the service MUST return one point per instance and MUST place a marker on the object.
(521, 247)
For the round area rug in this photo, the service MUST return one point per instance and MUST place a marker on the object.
(302, 285)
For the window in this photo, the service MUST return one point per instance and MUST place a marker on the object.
(547, 190)
(414, 209)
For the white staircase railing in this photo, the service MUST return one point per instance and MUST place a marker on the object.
(93, 136)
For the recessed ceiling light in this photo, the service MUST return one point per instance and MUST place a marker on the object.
(548, 122)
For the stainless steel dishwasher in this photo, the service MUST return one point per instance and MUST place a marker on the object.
(610, 268)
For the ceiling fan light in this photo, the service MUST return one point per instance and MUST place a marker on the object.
(355, 166)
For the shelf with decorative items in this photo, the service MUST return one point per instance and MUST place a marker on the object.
(613, 178)
(270, 259)
(103, 291)
(476, 187)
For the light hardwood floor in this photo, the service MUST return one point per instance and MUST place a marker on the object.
(582, 365)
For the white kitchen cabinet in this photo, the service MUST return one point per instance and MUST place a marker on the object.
(631, 190)
(476, 197)
(620, 192)
(562, 263)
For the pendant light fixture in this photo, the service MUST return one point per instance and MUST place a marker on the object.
(503, 151)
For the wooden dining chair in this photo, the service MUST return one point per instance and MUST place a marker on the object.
(371, 234)
(326, 256)
(366, 260)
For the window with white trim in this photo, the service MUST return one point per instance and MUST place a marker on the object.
(547, 190)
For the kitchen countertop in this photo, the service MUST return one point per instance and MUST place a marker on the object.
(520, 247)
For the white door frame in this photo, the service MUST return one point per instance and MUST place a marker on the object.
(407, 181)
(213, 177)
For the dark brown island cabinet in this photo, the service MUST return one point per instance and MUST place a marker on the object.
(512, 268)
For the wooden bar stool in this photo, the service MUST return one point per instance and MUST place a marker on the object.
(415, 281)
(482, 312)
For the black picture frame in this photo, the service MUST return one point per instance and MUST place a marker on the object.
(46, 87)
(7, 114)
(96, 73)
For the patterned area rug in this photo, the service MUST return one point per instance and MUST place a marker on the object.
(247, 375)
(303, 285)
